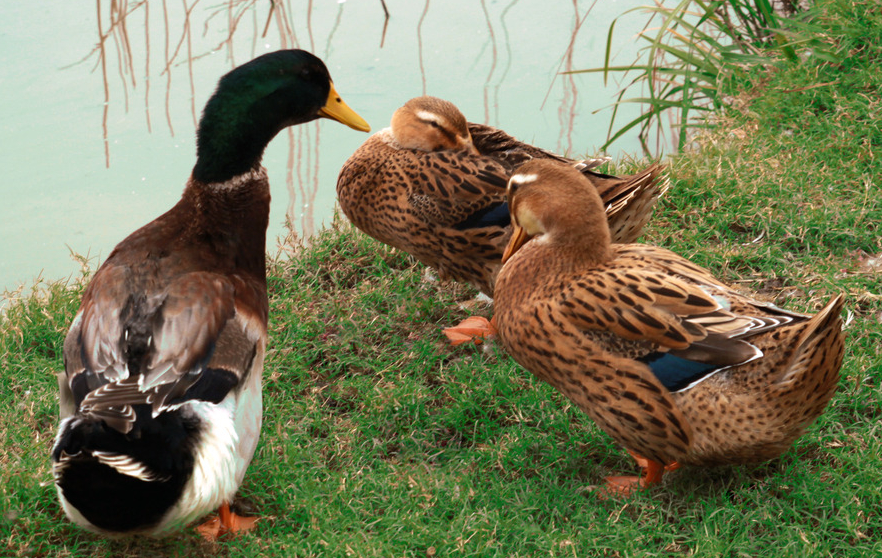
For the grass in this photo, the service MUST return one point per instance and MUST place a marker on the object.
(381, 440)
(694, 54)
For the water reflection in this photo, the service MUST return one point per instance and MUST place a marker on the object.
(302, 169)
(118, 118)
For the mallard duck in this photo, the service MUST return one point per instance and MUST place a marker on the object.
(666, 359)
(161, 393)
(433, 185)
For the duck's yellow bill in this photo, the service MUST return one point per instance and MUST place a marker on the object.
(519, 237)
(336, 109)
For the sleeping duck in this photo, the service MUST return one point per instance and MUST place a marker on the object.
(669, 361)
(161, 393)
(433, 185)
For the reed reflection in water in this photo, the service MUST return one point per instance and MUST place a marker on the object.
(155, 64)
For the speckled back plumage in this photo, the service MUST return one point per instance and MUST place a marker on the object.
(756, 411)
(446, 206)
(665, 358)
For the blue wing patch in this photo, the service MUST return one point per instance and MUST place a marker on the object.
(490, 216)
(677, 373)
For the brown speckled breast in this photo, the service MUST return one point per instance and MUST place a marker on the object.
(419, 202)
(414, 200)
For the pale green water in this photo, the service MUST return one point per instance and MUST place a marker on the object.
(496, 60)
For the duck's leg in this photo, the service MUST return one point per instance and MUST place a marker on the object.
(474, 328)
(625, 486)
(225, 522)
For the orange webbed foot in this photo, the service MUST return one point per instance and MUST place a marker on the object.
(225, 523)
(618, 487)
(475, 329)
(628, 485)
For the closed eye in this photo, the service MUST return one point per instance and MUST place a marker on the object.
(518, 180)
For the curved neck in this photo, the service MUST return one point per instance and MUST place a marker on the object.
(589, 246)
(232, 218)
(231, 140)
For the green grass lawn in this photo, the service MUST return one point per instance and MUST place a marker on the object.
(381, 440)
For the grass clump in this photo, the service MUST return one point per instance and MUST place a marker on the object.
(788, 177)
(381, 440)
(694, 55)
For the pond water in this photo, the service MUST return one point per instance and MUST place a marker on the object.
(92, 151)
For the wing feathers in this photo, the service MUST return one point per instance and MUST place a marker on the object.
(667, 302)
(195, 308)
(123, 351)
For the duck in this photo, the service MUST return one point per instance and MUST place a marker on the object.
(675, 365)
(160, 398)
(433, 185)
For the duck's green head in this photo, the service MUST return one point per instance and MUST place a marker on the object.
(255, 102)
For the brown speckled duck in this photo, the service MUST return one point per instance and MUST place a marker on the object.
(161, 392)
(433, 185)
(666, 359)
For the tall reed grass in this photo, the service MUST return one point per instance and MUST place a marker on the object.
(697, 51)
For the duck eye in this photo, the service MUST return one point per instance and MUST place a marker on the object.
(434, 124)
